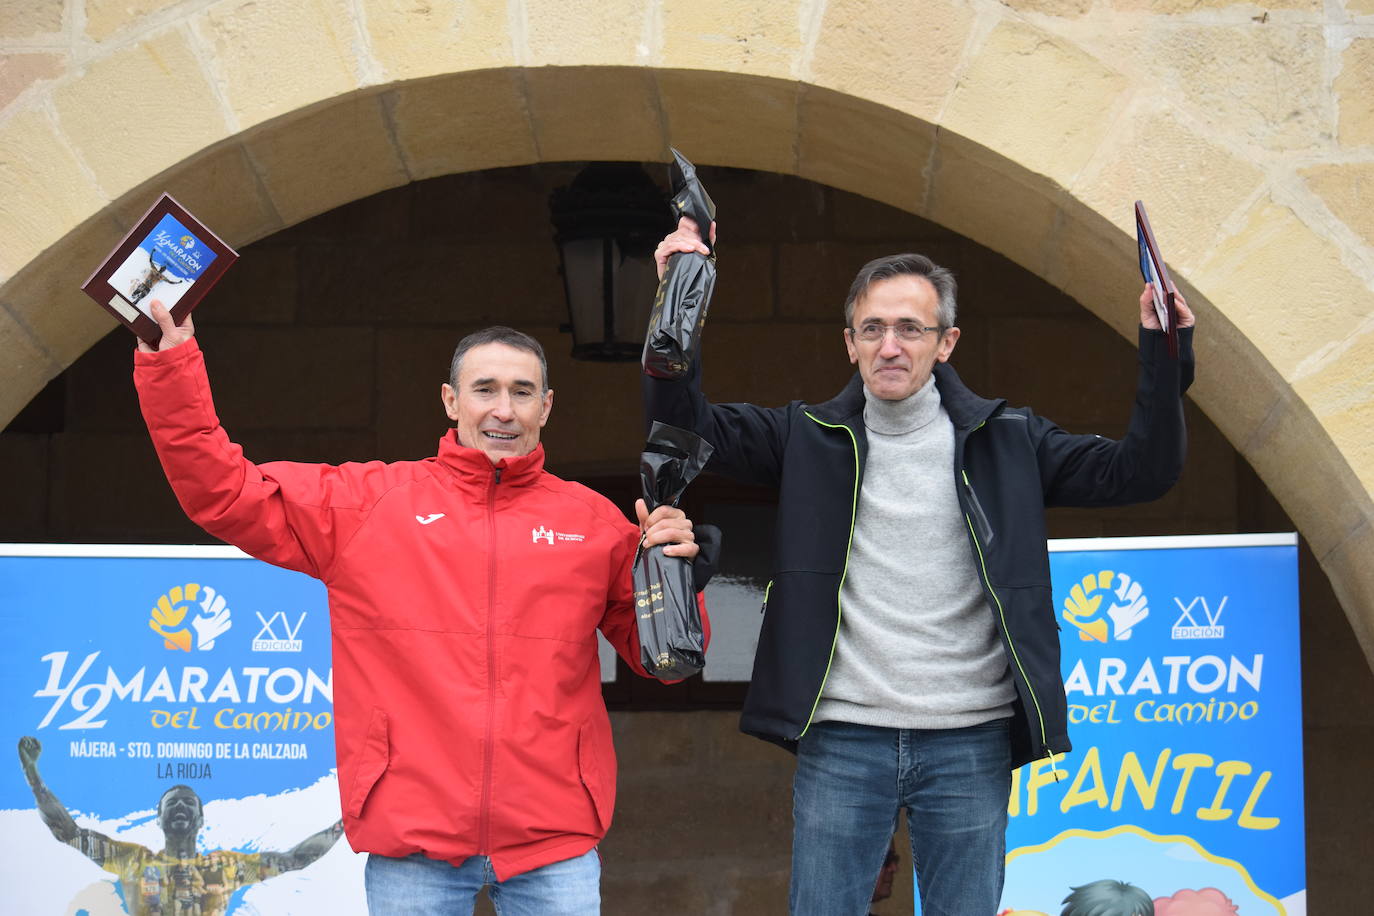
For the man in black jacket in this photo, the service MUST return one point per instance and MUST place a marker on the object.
(909, 653)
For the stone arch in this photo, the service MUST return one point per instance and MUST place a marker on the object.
(1028, 127)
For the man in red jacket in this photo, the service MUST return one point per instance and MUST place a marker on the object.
(465, 592)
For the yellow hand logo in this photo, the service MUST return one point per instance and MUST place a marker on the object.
(170, 611)
(1081, 607)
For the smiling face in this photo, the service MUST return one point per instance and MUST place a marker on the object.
(499, 404)
(893, 368)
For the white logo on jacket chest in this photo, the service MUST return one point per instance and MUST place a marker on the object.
(429, 519)
(548, 535)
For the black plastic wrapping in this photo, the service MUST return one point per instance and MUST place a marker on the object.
(684, 293)
(672, 641)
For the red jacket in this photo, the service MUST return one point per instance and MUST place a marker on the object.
(464, 600)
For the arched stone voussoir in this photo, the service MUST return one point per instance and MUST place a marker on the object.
(1283, 401)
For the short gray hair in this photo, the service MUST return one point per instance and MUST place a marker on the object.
(1108, 898)
(905, 265)
(502, 335)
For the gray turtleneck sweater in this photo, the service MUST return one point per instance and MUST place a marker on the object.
(917, 646)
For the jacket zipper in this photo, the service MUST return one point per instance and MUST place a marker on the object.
(489, 750)
(1001, 612)
(839, 605)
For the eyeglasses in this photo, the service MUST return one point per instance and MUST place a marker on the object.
(906, 331)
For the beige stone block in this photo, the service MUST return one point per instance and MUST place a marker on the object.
(864, 148)
(47, 293)
(219, 187)
(1269, 300)
(1096, 264)
(327, 158)
(1305, 470)
(275, 56)
(45, 190)
(1235, 386)
(26, 367)
(1036, 98)
(904, 55)
(596, 113)
(1359, 7)
(140, 110)
(1163, 8)
(1265, 86)
(731, 119)
(29, 18)
(1191, 184)
(1060, 9)
(572, 32)
(1347, 189)
(463, 122)
(412, 40)
(1352, 577)
(1012, 211)
(19, 71)
(1340, 392)
(106, 17)
(1352, 88)
(743, 36)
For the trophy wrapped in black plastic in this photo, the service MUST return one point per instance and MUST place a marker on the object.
(684, 293)
(672, 640)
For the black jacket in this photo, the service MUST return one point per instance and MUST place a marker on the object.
(1009, 464)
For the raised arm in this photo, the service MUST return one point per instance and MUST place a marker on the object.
(748, 439)
(1079, 470)
(286, 513)
(53, 812)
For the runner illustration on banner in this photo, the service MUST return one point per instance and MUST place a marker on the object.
(178, 881)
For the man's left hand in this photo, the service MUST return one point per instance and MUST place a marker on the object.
(1150, 320)
(667, 525)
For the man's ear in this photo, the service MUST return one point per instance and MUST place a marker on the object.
(849, 347)
(450, 399)
(946, 345)
(548, 408)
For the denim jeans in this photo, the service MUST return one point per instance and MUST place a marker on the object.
(420, 886)
(853, 779)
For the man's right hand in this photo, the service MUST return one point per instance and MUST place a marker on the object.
(173, 334)
(29, 749)
(687, 237)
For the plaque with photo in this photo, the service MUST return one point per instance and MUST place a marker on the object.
(169, 256)
(1154, 270)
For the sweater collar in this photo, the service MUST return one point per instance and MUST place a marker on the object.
(472, 466)
(966, 409)
(896, 418)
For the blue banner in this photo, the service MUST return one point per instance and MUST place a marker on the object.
(179, 710)
(1181, 669)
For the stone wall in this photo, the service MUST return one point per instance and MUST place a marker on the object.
(328, 341)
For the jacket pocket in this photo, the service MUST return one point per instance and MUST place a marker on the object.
(597, 776)
(370, 764)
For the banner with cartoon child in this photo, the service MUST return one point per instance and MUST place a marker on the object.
(1183, 795)
(171, 715)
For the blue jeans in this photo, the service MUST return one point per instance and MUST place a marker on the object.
(420, 886)
(853, 779)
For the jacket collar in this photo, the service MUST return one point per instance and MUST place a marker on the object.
(474, 469)
(966, 409)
